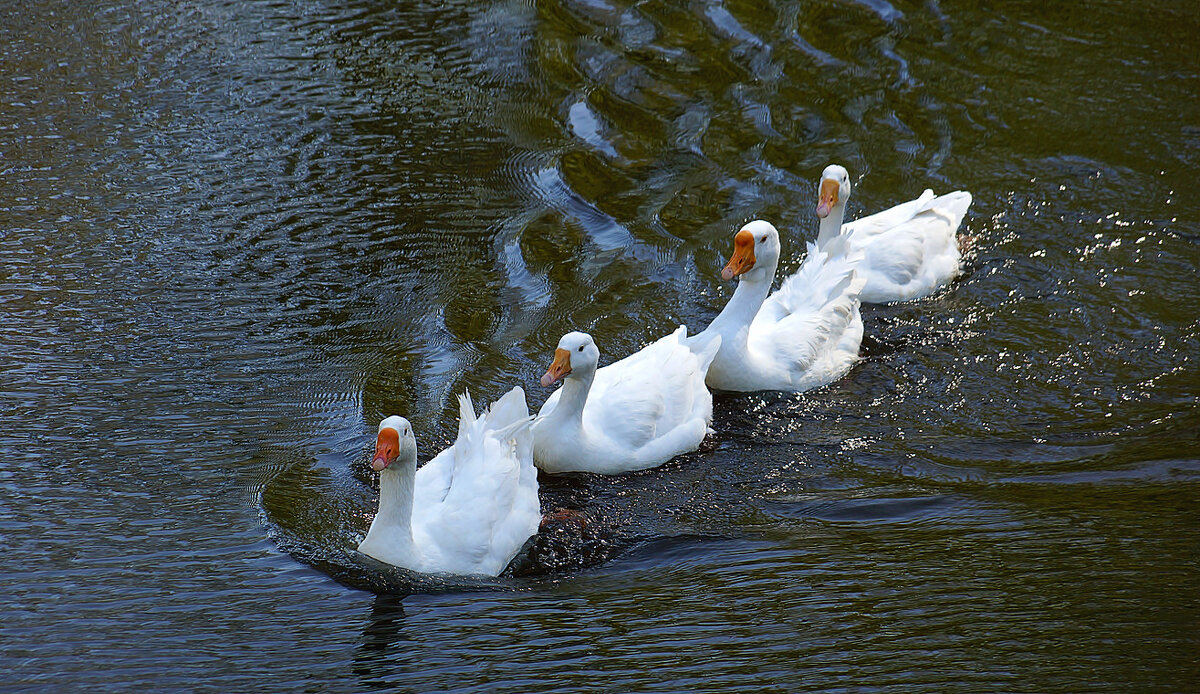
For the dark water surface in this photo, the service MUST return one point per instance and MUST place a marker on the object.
(234, 235)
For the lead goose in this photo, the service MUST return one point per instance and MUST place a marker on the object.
(908, 250)
(804, 335)
(633, 414)
(471, 508)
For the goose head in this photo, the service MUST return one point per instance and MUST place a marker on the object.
(834, 189)
(395, 442)
(755, 252)
(576, 353)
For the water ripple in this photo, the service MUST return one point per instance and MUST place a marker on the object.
(233, 236)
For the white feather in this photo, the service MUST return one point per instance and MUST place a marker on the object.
(804, 335)
(472, 507)
(908, 250)
(633, 414)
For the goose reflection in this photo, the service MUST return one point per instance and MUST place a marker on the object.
(382, 633)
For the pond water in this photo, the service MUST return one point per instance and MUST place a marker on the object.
(234, 236)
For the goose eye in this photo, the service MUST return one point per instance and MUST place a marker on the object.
(580, 348)
(762, 239)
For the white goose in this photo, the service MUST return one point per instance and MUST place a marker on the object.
(908, 251)
(633, 414)
(805, 335)
(471, 508)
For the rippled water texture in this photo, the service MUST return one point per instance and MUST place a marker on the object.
(234, 235)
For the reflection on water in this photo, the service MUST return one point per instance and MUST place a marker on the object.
(235, 236)
(385, 631)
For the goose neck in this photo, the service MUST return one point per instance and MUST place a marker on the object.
(830, 226)
(574, 394)
(394, 518)
(741, 308)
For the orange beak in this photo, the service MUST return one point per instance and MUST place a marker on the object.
(828, 197)
(743, 255)
(559, 368)
(387, 447)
